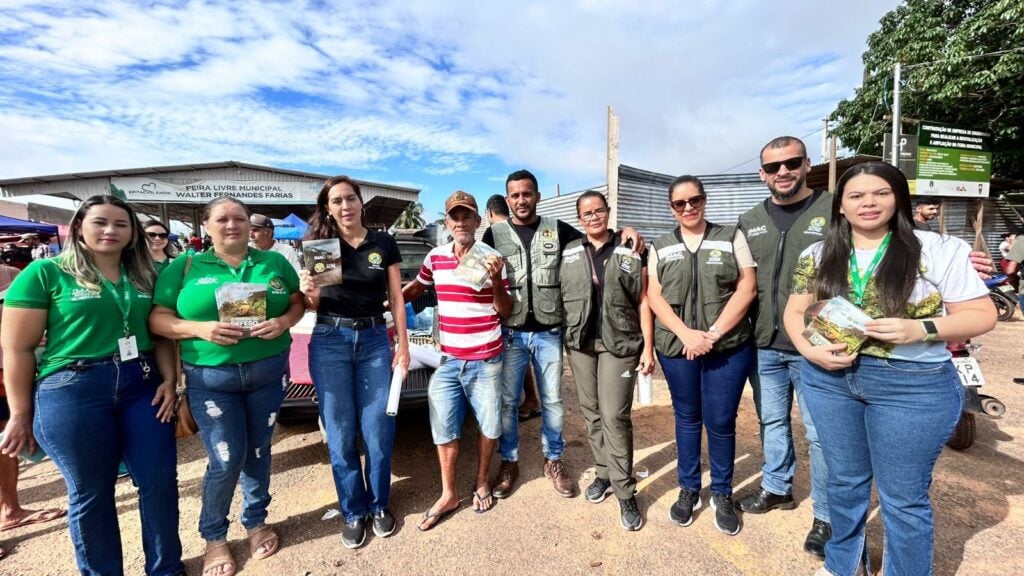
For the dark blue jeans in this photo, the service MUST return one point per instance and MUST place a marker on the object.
(351, 370)
(706, 394)
(87, 418)
(236, 406)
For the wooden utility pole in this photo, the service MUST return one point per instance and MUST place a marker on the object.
(612, 168)
(832, 165)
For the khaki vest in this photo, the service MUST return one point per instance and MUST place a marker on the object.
(698, 285)
(620, 307)
(533, 276)
(776, 255)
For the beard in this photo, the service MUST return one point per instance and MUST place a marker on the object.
(783, 196)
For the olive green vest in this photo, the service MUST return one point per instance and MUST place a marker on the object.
(620, 305)
(697, 286)
(533, 276)
(776, 254)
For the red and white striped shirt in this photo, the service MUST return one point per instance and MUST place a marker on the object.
(469, 325)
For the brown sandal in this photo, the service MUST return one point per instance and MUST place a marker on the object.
(217, 556)
(263, 536)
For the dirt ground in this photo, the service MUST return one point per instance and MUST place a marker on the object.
(978, 498)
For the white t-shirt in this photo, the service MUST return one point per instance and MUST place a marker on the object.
(289, 253)
(945, 275)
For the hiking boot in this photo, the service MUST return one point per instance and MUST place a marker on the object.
(598, 490)
(629, 514)
(682, 511)
(555, 471)
(725, 514)
(383, 523)
(821, 532)
(508, 472)
(763, 501)
(353, 533)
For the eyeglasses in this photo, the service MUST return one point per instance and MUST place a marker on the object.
(157, 235)
(599, 213)
(790, 164)
(696, 202)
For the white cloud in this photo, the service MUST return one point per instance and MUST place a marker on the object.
(445, 85)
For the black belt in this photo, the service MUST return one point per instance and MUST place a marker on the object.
(353, 323)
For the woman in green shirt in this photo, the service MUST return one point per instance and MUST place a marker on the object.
(160, 247)
(231, 308)
(97, 395)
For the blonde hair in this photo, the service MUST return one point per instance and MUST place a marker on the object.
(77, 260)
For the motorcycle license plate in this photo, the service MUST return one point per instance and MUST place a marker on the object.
(969, 371)
(1006, 289)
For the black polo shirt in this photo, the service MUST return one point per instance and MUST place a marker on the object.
(364, 278)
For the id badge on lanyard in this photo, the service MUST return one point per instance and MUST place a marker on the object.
(127, 346)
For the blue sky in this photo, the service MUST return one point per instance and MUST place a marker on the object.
(434, 94)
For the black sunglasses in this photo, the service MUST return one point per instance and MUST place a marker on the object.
(157, 235)
(680, 205)
(790, 164)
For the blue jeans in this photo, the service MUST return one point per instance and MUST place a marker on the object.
(236, 406)
(886, 420)
(544, 350)
(774, 381)
(457, 383)
(706, 393)
(351, 370)
(87, 418)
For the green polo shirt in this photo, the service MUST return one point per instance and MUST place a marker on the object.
(162, 265)
(80, 323)
(195, 299)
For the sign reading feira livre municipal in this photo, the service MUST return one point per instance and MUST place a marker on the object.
(134, 189)
(953, 161)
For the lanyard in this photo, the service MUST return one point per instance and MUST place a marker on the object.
(860, 283)
(239, 273)
(125, 305)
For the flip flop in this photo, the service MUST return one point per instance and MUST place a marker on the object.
(37, 517)
(263, 536)
(219, 555)
(528, 415)
(437, 519)
(478, 500)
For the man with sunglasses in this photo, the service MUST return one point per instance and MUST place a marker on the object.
(777, 231)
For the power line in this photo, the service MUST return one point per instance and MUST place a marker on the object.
(758, 157)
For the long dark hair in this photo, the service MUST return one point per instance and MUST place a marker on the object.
(896, 273)
(169, 249)
(321, 224)
(77, 260)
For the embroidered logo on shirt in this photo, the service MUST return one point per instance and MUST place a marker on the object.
(757, 231)
(276, 284)
(715, 256)
(207, 280)
(375, 259)
(816, 226)
(79, 294)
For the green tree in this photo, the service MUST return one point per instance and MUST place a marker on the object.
(411, 218)
(985, 93)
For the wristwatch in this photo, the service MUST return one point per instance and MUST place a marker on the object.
(714, 330)
(930, 331)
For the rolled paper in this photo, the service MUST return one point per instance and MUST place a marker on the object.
(397, 377)
(645, 389)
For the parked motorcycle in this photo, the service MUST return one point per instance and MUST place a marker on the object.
(969, 370)
(1003, 296)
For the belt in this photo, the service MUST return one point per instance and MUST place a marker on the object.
(353, 323)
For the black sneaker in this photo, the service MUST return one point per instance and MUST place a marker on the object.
(682, 511)
(383, 523)
(629, 514)
(725, 515)
(598, 490)
(353, 533)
